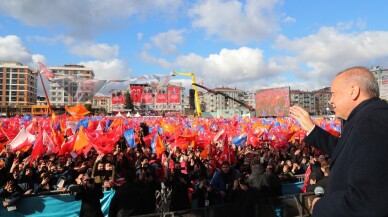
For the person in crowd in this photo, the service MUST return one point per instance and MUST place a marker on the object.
(222, 181)
(90, 194)
(243, 197)
(357, 185)
(45, 183)
(287, 176)
(323, 182)
(11, 194)
(27, 180)
(312, 184)
(179, 184)
(124, 205)
(203, 194)
(6, 164)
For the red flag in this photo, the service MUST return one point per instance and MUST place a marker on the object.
(39, 148)
(43, 69)
(22, 139)
(67, 147)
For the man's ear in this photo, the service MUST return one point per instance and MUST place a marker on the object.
(355, 91)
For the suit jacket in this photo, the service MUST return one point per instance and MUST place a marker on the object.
(90, 201)
(358, 180)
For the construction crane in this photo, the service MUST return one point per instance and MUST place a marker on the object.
(250, 108)
(196, 98)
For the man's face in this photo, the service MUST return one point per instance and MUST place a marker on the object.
(225, 168)
(340, 97)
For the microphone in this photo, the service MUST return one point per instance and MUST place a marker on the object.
(319, 191)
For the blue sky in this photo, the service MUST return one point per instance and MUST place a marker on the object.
(249, 45)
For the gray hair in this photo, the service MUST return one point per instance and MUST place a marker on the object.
(363, 77)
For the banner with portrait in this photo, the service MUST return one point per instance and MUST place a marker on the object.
(118, 97)
(273, 102)
(87, 89)
(161, 95)
(136, 92)
(174, 95)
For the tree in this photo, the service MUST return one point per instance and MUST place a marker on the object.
(128, 101)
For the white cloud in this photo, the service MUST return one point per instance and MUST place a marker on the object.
(139, 36)
(109, 70)
(230, 65)
(167, 41)
(84, 18)
(63, 39)
(234, 67)
(235, 21)
(148, 58)
(289, 20)
(12, 48)
(320, 56)
(100, 51)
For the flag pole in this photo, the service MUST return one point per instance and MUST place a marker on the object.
(50, 110)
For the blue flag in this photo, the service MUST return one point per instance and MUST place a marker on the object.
(240, 140)
(130, 137)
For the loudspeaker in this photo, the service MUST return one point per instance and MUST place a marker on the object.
(191, 98)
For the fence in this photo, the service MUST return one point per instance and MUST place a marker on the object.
(56, 204)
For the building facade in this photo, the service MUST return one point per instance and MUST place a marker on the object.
(149, 100)
(315, 102)
(19, 84)
(100, 101)
(64, 85)
(382, 79)
(213, 102)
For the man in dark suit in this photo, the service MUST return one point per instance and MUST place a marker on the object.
(90, 194)
(357, 185)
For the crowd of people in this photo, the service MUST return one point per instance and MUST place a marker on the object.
(136, 174)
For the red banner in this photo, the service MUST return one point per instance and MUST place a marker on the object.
(161, 96)
(136, 92)
(147, 98)
(118, 97)
(174, 95)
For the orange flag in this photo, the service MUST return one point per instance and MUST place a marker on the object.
(169, 128)
(159, 146)
(77, 111)
(81, 141)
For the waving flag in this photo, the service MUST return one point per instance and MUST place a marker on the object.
(129, 136)
(81, 140)
(240, 140)
(48, 143)
(43, 69)
(22, 139)
(77, 111)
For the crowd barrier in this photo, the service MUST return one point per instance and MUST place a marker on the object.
(292, 204)
(52, 205)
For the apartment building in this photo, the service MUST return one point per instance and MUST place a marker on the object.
(101, 101)
(213, 102)
(19, 84)
(66, 81)
(315, 102)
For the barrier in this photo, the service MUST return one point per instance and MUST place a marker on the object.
(52, 205)
(292, 188)
(65, 205)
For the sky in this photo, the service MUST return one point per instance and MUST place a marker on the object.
(248, 45)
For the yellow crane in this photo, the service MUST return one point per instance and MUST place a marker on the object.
(196, 98)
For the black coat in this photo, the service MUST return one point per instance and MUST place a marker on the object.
(90, 198)
(129, 200)
(357, 184)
